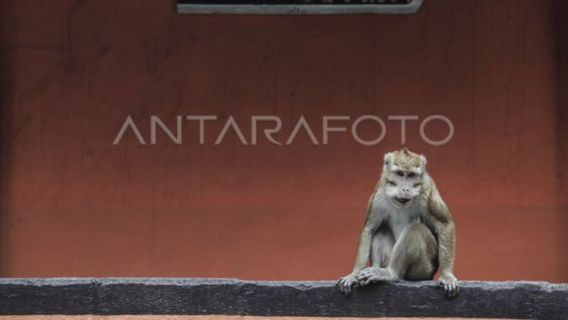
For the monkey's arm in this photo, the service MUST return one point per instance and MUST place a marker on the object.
(445, 229)
(364, 250)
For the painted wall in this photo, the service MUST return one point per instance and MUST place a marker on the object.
(74, 204)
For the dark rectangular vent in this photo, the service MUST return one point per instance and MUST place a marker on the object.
(298, 6)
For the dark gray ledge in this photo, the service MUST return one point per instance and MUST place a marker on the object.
(181, 296)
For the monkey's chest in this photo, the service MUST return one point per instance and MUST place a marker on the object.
(399, 220)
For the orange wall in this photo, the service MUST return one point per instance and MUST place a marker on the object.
(72, 204)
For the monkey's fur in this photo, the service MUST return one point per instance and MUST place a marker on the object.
(409, 232)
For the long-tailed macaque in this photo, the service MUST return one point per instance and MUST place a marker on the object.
(409, 232)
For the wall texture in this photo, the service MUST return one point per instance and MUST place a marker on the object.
(74, 204)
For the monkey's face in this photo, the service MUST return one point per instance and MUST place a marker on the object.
(403, 186)
(404, 172)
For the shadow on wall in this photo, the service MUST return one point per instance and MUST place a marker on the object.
(561, 15)
(5, 116)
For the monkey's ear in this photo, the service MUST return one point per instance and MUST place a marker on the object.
(423, 161)
(388, 158)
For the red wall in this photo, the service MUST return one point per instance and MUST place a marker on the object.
(73, 204)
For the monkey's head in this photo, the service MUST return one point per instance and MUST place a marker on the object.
(403, 172)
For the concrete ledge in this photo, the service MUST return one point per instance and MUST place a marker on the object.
(165, 296)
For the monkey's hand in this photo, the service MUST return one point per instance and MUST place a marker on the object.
(346, 283)
(374, 274)
(368, 275)
(450, 284)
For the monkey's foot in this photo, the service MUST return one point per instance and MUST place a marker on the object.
(346, 283)
(374, 274)
(450, 284)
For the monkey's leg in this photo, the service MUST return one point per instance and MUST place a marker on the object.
(413, 258)
(381, 248)
(415, 255)
(382, 245)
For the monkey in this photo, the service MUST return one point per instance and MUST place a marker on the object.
(409, 233)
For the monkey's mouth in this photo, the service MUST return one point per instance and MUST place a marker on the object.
(402, 200)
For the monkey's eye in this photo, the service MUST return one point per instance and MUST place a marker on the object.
(392, 183)
(411, 175)
(399, 173)
(416, 185)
